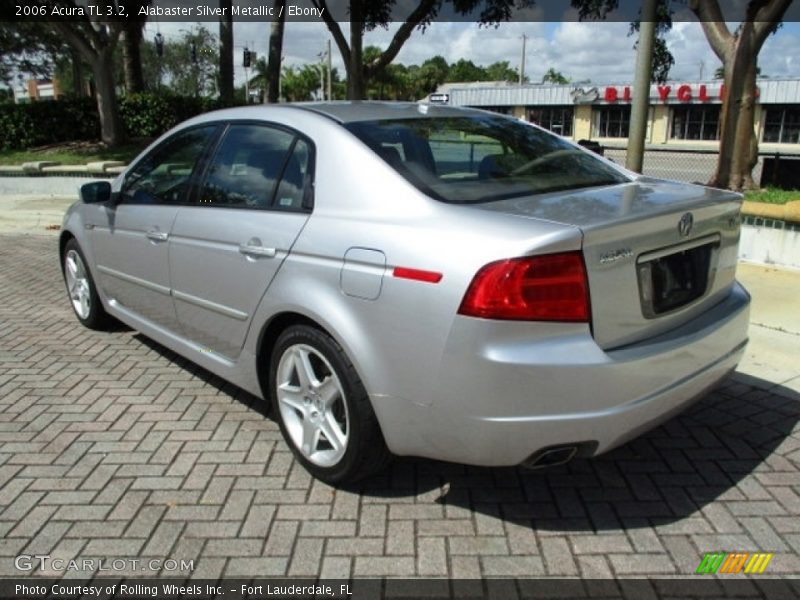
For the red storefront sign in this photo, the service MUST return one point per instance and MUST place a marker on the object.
(682, 93)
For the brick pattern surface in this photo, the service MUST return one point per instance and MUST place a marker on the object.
(112, 446)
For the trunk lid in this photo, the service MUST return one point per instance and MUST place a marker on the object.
(658, 253)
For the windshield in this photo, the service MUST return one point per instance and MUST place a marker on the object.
(482, 157)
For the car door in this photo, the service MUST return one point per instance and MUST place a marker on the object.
(131, 235)
(226, 247)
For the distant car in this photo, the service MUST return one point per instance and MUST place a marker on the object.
(416, 280)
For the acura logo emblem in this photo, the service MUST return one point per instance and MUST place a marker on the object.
(685, 224)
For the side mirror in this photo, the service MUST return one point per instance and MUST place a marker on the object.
(95, 192)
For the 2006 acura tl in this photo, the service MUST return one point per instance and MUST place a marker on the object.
(416, 280)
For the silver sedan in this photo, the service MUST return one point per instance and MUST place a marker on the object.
(416, 280)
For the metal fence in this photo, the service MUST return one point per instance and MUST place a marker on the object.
(697, 166)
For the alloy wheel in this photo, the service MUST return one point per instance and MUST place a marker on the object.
(312, 405)
(78, 284)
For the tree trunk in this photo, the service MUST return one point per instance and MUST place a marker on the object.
(738, 146)
(78, 83)
(132, 57)
(356, 86)
(746, 142)
(226, 53)
(275, 51)
(111, 130)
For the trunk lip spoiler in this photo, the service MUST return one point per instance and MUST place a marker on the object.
(712, 239)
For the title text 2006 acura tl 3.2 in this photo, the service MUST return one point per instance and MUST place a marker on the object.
(416, 280)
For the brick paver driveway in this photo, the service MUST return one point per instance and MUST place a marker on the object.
(112, 446)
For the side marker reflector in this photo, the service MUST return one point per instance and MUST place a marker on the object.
(417, 275)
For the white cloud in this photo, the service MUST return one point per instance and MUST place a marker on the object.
(600, 51)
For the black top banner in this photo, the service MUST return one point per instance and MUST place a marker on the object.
(373, 11)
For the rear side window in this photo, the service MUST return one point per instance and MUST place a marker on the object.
(295, 180)
(162, 177)
(246, 167)
(479, 158)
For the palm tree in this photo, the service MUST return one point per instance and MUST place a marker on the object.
(273, 73)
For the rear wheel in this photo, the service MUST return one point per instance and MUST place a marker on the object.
(322, 407)
(82, 290)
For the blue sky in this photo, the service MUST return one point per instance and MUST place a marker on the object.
(601, 52)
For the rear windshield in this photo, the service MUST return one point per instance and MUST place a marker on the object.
(482, 158)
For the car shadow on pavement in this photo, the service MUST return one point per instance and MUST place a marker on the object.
(206, 376)
(709, 452)
(717, 449)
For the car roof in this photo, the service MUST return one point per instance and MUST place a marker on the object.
(351, 111)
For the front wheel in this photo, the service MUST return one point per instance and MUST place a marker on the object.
(82, 290)
(322, 408)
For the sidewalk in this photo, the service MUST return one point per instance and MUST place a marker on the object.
(774, 324)
(25, 213)
(115, 448)
(771, 355)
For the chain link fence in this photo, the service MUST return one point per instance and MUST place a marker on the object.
(697, 166)
(691, 166)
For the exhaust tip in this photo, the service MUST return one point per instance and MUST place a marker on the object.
(558, 455)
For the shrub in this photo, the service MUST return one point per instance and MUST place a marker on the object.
(148, 114)
(51, 122)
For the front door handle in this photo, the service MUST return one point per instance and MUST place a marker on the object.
(157, 236)
(251, 250)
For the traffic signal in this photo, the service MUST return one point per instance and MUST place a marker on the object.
(159, 41)
(246, 58)
(193, 52)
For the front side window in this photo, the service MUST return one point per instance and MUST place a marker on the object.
(482, 157)
(246, 167)
(163, 176)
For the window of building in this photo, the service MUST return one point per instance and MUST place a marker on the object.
(612, 121)
(695, 122)
(557, 119)
(500, 110)
(782, 125)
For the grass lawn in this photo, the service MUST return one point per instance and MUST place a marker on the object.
(74, 153)
(772, 195)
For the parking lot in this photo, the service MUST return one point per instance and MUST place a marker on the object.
(113, 447)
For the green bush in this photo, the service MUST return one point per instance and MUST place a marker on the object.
(150, 114)
(51, 122)
(147, 114)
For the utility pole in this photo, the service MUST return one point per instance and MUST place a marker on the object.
(330, 76)
(641, 87)
(702, 68)
(522, 61)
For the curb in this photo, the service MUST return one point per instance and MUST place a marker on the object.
(48, 167)
(789, 212)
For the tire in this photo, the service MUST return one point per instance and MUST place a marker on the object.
(81, 289)
(322, 408)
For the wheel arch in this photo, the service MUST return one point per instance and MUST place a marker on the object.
(63, 240)
(268, 338)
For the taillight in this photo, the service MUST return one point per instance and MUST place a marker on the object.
(551, 287)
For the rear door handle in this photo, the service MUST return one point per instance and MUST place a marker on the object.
(157, 236)
(250, 250)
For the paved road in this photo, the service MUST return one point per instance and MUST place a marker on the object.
(113, 447)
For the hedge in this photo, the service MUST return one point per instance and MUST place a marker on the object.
(147, 114)
(42, 123)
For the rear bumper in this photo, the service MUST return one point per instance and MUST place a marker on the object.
(507, 390)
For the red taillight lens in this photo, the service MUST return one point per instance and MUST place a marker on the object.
(552, 287)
